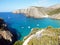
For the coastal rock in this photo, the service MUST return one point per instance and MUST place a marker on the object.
(5, 34)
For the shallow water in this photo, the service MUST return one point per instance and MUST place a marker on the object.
(23, 24)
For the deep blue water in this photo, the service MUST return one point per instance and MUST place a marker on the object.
(23, 24)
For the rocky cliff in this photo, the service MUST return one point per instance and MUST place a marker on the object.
(6, 37)
(36, 12)
(40, 12)
(55, 13)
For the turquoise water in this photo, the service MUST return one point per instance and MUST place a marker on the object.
(23, 24)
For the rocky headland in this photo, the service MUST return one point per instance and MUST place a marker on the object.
(41, 12)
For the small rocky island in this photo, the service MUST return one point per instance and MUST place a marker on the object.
(6, 37)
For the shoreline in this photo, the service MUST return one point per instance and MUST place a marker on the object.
(33, 35)
(46, 16)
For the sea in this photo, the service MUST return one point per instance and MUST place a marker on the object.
(22, 25)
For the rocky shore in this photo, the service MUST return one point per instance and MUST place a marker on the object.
(6, 37)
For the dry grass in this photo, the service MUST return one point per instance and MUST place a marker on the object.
(50, 37)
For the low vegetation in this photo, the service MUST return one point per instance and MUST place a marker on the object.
(51, 36)
(18, 42)
(33, 31)
(56, 11)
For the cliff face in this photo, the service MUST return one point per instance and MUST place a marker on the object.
(36, 12)
(55, 16)
(5, 34)
(47, 36)
(55, 13)
(40, 12)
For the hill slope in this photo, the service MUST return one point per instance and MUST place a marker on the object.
(47, 36)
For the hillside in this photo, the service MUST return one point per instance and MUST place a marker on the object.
(47, 36)
(56, 6)
(56, 11)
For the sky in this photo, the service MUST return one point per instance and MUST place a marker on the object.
(10, 5)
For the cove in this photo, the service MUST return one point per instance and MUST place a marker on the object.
(23, 24)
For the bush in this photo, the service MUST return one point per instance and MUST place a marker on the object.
(18, 42)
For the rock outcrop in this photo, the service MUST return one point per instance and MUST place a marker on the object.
(40, 12)
(5, 35)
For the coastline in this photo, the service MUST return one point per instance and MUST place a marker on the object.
(39, 34)
(30, 37)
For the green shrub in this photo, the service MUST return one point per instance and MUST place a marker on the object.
(56, 11)
(18, 42)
